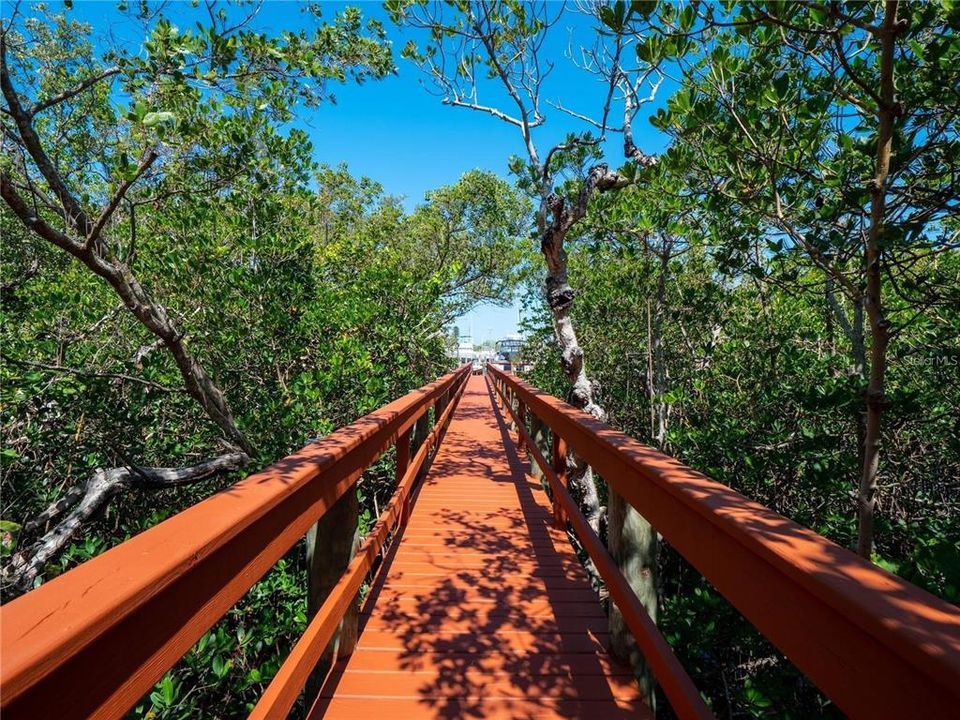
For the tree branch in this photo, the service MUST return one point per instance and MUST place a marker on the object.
(76, 215)
(72, 92)
(89, 373)
(149, 313)
(145, 163)
(500, 115)
(27, 564)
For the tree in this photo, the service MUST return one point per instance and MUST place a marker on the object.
(202, 106)
(502, 42)
(798, 129)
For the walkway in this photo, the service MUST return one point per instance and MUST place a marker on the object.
(483, 609)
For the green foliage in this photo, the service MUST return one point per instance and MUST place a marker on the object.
(763, 394)
(307, 294)
(705, 289)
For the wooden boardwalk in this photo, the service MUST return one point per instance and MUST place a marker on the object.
(482, 609)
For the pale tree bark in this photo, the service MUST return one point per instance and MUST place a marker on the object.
(21, 573)
(83, 237)
(632, 542)
(556, 218)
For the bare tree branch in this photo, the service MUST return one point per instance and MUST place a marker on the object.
(27, 564)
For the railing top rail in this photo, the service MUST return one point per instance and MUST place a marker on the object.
(94, 640)
(871, 641)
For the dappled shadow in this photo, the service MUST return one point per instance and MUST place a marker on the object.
(775, 571)
(482, 608)
(825, 607)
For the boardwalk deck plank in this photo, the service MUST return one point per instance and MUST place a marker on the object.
(483, 609)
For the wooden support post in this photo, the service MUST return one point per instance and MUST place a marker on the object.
(441, 405)
(521, 423)
(403, 461)
(559, 461)
(330, 546)
(421, 429)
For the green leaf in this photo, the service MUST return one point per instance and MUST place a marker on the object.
(155, 118)
(643, 8)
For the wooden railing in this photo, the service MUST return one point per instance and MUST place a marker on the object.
(876, 645)
(93, 641)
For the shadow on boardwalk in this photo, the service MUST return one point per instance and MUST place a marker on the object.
(484, 609)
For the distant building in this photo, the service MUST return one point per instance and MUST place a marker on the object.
(506, 353)
(509, 347)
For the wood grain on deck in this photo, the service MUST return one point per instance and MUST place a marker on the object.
(482, 609)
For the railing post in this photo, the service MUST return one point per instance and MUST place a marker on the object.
(420, 432)
(442, 404)
(330, 546)
(559, 461)
(521, 422)
(403, 461)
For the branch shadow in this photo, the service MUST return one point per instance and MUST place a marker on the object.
(483, 608)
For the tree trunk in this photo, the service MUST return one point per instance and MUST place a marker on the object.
(630, 538)
(658, 387)
(873, 305)
(632, 542)
(93, 251)
(331, 545)
(560, 300)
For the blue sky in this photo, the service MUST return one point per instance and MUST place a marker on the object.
(397, 133)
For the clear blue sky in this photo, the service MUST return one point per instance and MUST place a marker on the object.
(397, 133)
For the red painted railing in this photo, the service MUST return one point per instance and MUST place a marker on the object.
(876, 645)
(93, 641)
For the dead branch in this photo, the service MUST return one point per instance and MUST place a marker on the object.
(27, 564)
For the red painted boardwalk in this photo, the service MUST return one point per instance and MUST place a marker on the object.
(483, 609)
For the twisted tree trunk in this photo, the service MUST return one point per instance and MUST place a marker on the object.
(630, 538)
